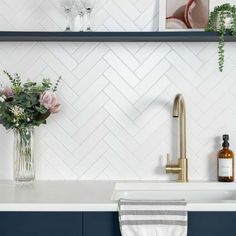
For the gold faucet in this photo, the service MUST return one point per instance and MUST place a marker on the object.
(181, 168)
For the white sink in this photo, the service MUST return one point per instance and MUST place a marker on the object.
(191, 192)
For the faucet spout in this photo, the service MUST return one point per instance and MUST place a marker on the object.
(181, 168)
(179, 112)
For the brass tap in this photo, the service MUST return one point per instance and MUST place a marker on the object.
(181, 168)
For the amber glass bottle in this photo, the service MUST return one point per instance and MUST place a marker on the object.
(225, 162)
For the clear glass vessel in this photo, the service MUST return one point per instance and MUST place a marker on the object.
(24, 162)
(80, 10)
(88, 5)
(67, 6)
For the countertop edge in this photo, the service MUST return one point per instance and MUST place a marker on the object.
(113, 207)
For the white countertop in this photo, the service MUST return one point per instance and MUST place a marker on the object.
(57, 196)
(79, 196)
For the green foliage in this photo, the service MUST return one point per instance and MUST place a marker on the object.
(221, 13)
(23, 109)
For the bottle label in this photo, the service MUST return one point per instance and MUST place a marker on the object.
(225, 167)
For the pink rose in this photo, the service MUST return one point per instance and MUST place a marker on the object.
(49, 100)
(8, 92)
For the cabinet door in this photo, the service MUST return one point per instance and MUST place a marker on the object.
(212, 224)
(101, 224)
(40, 224)
(199, 224)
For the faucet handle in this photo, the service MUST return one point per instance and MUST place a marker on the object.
(168, 159)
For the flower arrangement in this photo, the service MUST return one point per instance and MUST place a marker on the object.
(29, 104)
(22, 107)
(217, 22)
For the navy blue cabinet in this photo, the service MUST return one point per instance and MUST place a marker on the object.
(199, 224)
(212, 224)
(41, 224)
(103, 224)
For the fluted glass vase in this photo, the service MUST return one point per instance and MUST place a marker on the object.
(24, 162)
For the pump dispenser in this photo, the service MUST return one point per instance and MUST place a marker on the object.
(225, 162)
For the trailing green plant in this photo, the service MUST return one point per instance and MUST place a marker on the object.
(217, 23)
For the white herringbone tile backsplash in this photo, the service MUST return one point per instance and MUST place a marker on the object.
(115, 121)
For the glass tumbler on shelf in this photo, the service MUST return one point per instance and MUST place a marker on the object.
(80, 10)
(24, 162)
(88, 5)
(67, 5)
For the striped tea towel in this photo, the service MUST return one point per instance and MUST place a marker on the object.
(153, 218)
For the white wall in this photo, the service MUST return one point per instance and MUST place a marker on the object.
(116, 121)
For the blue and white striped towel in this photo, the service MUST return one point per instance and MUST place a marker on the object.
(153, 218)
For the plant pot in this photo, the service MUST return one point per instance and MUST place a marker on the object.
(24, 162)
(228, 21)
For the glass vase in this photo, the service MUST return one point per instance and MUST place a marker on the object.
(24, 162)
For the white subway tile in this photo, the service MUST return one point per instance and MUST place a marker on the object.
(114, 95)
(121, 68)
(121, 85)
(149, 64)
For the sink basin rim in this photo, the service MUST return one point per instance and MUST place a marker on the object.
(207, 191)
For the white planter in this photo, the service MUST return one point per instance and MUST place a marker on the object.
(228, 21)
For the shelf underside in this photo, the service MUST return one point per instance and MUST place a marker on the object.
(13, 36)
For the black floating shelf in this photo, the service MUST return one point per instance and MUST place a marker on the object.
(14, 36)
